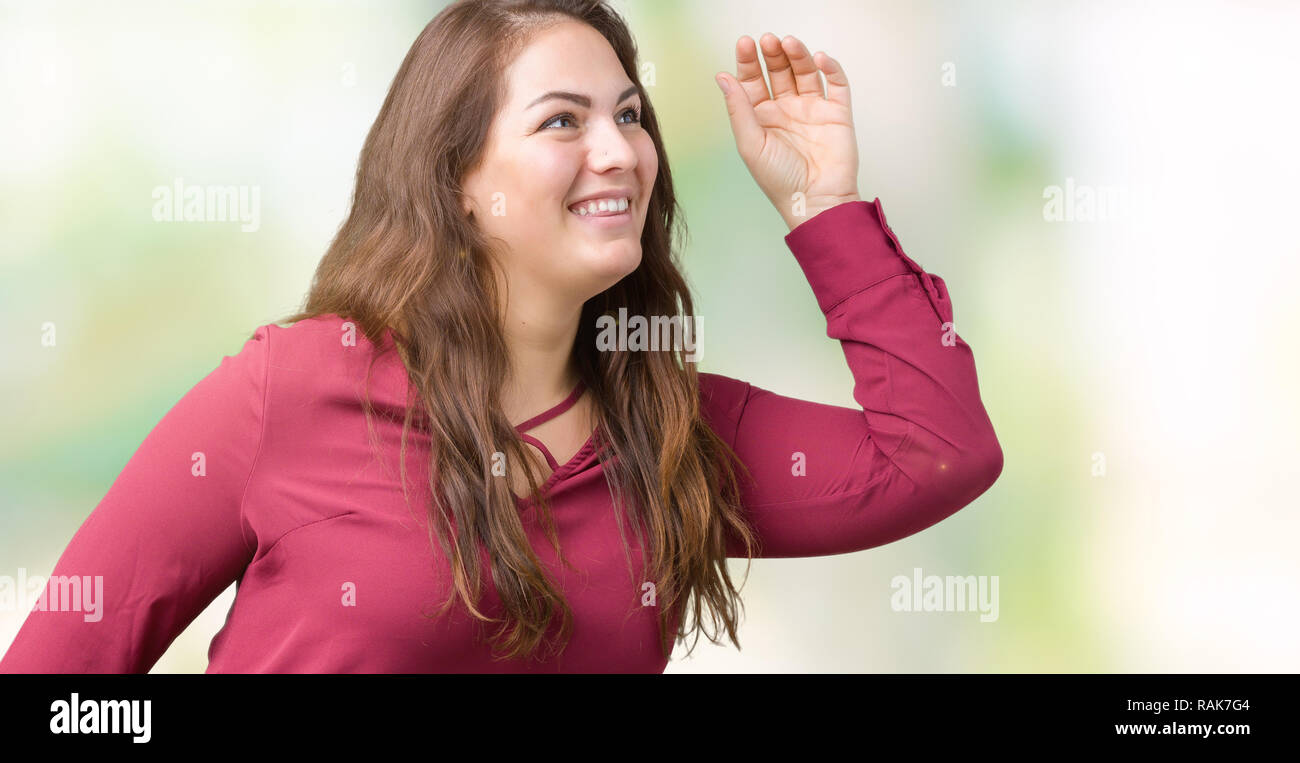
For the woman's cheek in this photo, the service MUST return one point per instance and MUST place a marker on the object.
(549, 175)
(647, 162)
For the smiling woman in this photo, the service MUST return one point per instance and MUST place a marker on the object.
(565, 151)
(513, 195)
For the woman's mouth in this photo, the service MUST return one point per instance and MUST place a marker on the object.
(606, 213)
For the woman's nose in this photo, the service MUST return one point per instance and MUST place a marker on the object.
(609, 147)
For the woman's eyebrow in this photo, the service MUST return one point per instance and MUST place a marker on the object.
(577, 98)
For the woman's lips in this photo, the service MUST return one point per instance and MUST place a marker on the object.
(606, 218)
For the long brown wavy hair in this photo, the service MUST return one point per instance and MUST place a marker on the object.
(396, 265)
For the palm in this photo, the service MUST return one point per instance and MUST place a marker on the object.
(796, 138)
(808, 145)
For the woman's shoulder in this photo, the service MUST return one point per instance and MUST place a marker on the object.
(314, 354)
(326, 340)
(722, 401)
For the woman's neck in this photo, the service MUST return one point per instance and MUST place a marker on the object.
(543, 369)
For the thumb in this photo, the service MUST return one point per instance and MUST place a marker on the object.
(744, 123)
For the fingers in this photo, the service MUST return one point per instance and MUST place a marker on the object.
(744, 122)
(837, 82)
(778, 66)
(749, 71)
(792, 71)
(790, 68)
(807, 79)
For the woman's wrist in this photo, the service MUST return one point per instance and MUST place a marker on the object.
(798, 214)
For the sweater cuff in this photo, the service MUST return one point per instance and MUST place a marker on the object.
(848, 248)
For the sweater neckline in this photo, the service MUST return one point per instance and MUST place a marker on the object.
(558, 470)
(555, 410)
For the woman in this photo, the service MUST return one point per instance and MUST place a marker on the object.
(391, 474)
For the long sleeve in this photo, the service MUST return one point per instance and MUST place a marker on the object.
(166, 539)
(830, 479)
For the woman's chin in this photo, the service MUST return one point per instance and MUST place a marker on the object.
(613, 259)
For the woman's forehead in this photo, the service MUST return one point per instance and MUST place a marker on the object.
(569, 57)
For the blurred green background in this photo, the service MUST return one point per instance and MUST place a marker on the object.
(1154, 339)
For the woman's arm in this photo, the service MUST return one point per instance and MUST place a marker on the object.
(829, 479)
(166, 539)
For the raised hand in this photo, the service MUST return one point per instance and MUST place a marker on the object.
(797, 138)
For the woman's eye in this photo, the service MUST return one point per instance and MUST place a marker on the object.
(631, 110)
(556, 118)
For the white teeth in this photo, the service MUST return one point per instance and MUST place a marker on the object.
(602, 205)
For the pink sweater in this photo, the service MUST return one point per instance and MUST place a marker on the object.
(334, 572)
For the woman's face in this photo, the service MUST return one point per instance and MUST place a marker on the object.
(568, 131)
